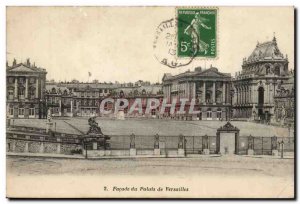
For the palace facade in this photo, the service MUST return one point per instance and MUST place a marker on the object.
(25, 85)
(209, 87)
(256, 85)
(262, 91)
(83, 99)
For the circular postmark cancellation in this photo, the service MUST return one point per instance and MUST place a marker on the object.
(165, 44)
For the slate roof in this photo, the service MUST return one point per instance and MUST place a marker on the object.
(266, 50)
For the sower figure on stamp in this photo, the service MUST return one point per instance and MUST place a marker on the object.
(194, 31)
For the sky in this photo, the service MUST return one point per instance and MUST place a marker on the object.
(116, 43)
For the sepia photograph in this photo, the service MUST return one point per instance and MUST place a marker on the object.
(164, 102)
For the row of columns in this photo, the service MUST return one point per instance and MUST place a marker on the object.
(249, 94)
(190, 91)
(214, 92)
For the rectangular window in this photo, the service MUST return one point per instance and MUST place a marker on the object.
(208, 114)
(11, 111)
(31, 112)
(21, 111)
(21, 93)
(11, 94)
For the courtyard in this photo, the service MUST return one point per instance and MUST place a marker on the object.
(141, 126)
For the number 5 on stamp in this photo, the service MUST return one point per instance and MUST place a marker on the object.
(197, 32)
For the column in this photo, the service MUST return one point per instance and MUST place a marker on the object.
(194, 90)
(246, 95)
(59, 113)
(16, 88)
(214, 93)
(71, 107)
(254, 95)
(250, 95)
(271, 89)
(26, 88)
(269, 93)
(203, 93)
(37, 88)
(224, 93)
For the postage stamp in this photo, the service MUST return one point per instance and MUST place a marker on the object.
(197, 30)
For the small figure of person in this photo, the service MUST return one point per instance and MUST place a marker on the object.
(194, 31)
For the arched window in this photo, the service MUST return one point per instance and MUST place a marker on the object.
(53, 90)
(267, 69)
(31, 92)
(277, 70)
(208, 97)
(21, 92)
(261, 95)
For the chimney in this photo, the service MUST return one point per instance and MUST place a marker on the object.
(14, 62)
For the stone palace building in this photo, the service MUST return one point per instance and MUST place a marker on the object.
(209, 87)
(25, 85)
(255, 87)
(263, 91)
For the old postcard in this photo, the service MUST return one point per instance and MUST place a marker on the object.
(150, 102)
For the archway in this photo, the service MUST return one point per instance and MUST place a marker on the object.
(261, 95)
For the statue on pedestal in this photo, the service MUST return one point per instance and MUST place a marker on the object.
(274, 143)
(156, 141)
(250, 142)
(205, 142)
(132, 141)
(94, 128)
(180, 143)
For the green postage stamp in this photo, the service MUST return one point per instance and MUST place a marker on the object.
(197, 32)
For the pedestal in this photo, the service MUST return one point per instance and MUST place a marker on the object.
(26, 147)
(206, 151)
(274, 152)
(250, 152)
(42, 148)
(181, 152)
(132, 152)
(156, 151)
(49, 126)
(107, 152)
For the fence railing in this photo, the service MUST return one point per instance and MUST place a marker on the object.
(191, 144)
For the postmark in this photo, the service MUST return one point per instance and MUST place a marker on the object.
(197, 27)
(165, 44)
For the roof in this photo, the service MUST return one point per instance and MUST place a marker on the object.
(211, 72)
(265, 51)
(25, 68)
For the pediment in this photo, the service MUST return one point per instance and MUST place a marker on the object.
(21, 68)
(211, 73)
